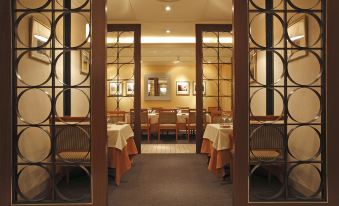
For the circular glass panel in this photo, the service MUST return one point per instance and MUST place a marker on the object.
(31, 72)
(28, 102)
(80, 30)
(307, 174)
(258, 29)
(296, 105)
(296, 143)
(27, 177)
(39, 25)
(300, 74)
(34, 144)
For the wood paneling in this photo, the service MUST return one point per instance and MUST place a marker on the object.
(5, 103)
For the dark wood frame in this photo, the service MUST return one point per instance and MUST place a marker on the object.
(136, 28)
(241, 105)
(199, 28)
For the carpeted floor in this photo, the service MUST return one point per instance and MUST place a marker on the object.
(170, 179)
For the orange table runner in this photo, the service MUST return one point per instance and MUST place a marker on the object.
(218, 159)
(121, 160)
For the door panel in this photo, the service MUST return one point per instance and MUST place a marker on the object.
(214, 75)
(282, 155)
(124, 73)
(58, 123)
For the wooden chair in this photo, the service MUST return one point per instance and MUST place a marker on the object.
(116, 116)
(184, 109)
(191, 121)
(156, 109)
(216, 114)
(145, 121)
(168, 121)
(72, 140)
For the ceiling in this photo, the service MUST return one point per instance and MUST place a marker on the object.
(180, 21)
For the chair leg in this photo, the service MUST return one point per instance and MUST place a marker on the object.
(188, 134)
(176, 134)
(158, 134)
(148, 134)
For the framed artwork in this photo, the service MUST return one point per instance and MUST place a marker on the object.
(130, 88)
(254, 68)
(39, 35)
(203, 88)
(85, 62)
(115, 88)
(183, 88)
(298, 35)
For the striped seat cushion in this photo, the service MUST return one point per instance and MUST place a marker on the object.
(264, 154)
(74, 156)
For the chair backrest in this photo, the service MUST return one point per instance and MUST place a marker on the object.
(216, 116)
(71, 137)
(184, 109)
(266, 137)
(156, 109)
(168, 116)
(212, 109)
(192, 116)
(143, 116)
(116, 116)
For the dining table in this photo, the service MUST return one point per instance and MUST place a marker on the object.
(121, 148)
(218, 144)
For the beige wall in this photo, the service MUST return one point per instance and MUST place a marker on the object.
(176, 73)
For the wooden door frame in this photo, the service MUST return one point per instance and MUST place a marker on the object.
(98, 98)
(241, 105)
(136, 28)
(199, 29)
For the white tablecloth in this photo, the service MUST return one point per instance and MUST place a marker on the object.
(118, 135)
(220, 137)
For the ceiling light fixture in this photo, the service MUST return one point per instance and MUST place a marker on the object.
(168, 31)
(168, 8)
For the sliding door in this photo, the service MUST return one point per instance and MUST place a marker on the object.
(282, 118)
(58, 127)
(124, 73)
(214, 75)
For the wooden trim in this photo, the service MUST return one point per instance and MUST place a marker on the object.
(240, 102)
(5, 103)
(98, 106)
(332, 101)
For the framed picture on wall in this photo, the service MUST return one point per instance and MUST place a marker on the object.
(253, 68)
(39, 35)
(115, 88)
(203, 88)
(183, 88)
(130, 88)
(85, 62)
(298, 35)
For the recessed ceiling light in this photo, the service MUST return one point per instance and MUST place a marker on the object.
(168, 8)
(168, 31)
